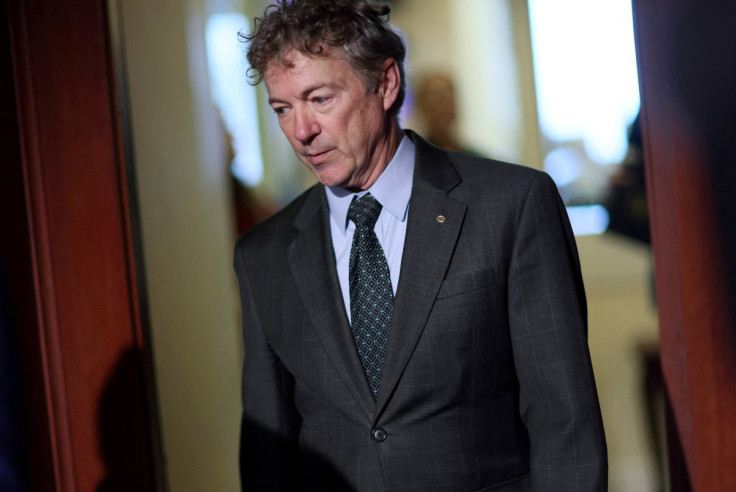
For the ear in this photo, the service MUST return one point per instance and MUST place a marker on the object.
(389, 83)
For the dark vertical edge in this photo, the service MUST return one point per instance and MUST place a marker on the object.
(131, 212)
(37, 326)
(665, 246)
(32, 459)
(678, 474)
(688, 120)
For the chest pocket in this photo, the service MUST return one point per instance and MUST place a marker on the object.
(467, 282)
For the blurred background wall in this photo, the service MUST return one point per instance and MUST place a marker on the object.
(186, 214)
(185, 139)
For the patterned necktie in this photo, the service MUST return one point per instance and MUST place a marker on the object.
(371, 297)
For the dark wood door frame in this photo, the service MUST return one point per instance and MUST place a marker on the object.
(686, 52)
(71, 240)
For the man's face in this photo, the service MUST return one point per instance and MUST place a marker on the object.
(338, 129)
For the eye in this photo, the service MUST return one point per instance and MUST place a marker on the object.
(321, 99)
(279, 110)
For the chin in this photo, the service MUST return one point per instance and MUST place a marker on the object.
(328, 179)
(332, 182)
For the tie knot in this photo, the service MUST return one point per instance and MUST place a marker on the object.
(364, 211)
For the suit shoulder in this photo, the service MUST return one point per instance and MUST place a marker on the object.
(275, 229)
(490, 174)
(471, 165)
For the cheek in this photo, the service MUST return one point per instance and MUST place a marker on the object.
(357, 126)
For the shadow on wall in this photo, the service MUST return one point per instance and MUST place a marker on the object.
(121, 402)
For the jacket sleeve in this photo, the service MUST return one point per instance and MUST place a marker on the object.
(270, 423)
(548, 324)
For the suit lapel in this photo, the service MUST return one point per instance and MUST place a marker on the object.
(427, 253)
(430, 242)
(312, 263)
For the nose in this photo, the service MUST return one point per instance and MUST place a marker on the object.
(306, 126)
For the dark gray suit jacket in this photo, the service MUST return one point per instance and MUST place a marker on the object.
(487, 382)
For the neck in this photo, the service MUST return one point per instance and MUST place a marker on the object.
(385, 150)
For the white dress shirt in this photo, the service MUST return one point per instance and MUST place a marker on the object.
(392, 189)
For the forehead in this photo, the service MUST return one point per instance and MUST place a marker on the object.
(295, 67)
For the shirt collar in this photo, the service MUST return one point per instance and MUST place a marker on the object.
(392, 188)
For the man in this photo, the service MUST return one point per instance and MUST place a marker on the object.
(416, 321)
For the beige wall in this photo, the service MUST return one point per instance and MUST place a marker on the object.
(187, 243)
(622, 320)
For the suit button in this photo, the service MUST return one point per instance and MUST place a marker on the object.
(379, 435)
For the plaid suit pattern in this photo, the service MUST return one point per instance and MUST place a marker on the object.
(486, 381)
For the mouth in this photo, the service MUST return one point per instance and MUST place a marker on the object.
(318, 157)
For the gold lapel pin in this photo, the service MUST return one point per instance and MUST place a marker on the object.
(441, 219)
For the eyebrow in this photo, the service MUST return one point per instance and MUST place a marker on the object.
(304, 93)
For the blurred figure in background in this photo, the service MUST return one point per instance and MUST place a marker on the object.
(627, 195)
(436, 103)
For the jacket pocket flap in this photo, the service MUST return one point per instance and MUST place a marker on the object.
(467, 282)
